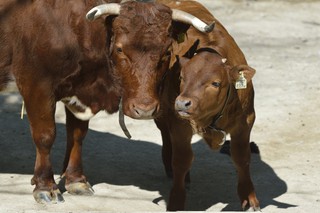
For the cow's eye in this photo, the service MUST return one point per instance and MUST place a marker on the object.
(216, 84)
(119, 50)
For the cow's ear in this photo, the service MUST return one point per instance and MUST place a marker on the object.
(248, 72)
(179, 31)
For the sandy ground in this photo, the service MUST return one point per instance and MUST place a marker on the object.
(282, 41)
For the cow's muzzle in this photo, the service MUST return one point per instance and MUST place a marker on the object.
(141, 109)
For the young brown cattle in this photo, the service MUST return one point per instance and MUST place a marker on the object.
(210, 101)
(206, 103)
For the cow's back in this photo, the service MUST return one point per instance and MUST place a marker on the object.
(52, 41)
(53, 35)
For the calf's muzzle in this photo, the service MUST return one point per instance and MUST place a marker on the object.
(183, 103)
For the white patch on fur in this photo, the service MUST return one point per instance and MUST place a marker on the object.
(178, 3)
(87, 113)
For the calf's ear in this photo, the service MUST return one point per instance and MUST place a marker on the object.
(247, 71)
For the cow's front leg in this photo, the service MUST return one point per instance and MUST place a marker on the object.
(75, 181)
(40, 110)
(240, 153)
(166, 150)
(182, 157)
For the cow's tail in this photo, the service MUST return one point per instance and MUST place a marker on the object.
(5, 78)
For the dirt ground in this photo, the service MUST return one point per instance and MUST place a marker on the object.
(281, 40)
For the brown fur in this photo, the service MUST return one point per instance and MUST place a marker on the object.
(197, 76)
(142, 33)
(53, 52)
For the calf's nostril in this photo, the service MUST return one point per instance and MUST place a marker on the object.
(183, 104)
(187, 104)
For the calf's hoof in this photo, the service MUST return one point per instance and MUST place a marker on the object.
(79, 188)
(251, 206)
(46, 197)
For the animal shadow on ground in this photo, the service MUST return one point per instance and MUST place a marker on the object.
(115, 160)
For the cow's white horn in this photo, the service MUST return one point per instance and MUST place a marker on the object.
(179, 15)
(110, 9)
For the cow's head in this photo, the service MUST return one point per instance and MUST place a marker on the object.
(206, 83)
(140, 49)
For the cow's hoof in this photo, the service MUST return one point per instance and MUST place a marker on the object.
(47, 197)
(80, 188)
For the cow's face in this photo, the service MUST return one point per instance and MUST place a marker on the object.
(140, 53)
(203, 87)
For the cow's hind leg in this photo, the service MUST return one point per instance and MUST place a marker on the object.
(240, 154)
(40, 109)
(75, 181)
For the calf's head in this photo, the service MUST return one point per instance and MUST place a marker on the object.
(140, 49)
(205, 81)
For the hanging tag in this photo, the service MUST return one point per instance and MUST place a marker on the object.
(241, 83)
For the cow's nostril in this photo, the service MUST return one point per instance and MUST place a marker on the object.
(144, 111)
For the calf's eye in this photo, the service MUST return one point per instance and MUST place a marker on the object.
(216, 84)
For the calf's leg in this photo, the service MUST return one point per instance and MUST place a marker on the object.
(240, 154)
(76, 182)
(178, 133)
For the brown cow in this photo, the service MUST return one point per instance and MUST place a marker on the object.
(53, 53)
(209, 105)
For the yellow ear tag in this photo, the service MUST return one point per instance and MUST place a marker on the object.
(180, 38)
(241, 83)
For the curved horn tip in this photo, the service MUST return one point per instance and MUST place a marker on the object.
(210, 27)
(91, 15)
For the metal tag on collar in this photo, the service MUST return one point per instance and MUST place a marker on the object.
(241, 83)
